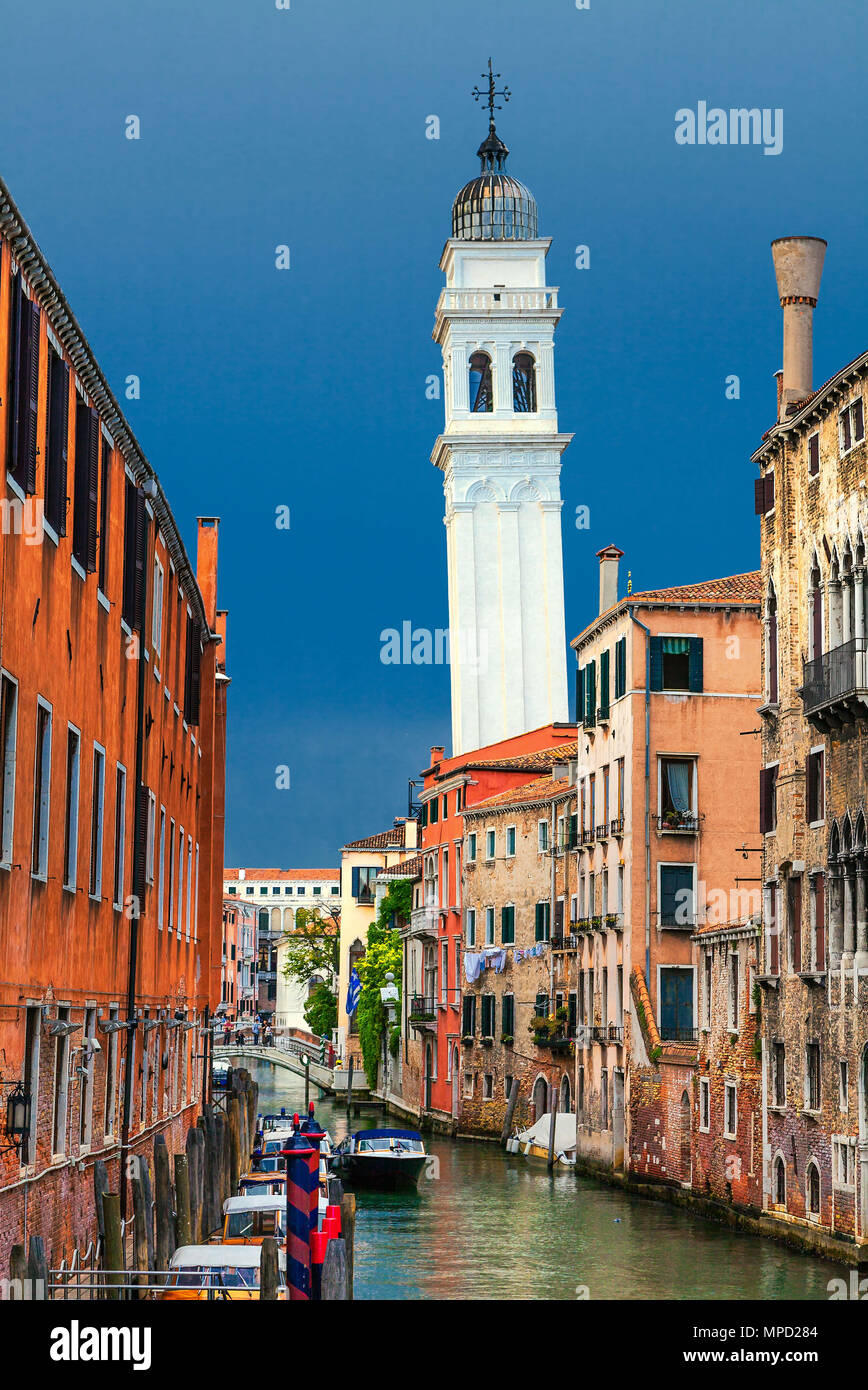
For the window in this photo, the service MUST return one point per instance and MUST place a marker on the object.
(812, 1076)
(676, 663)
(816, 604)
(23, 388)
(487, 1015)
(813, 455)
(773, 935)
(843, 1163)
(507, 925)
(57, 443)
(523, 383)
(135, 540)
(677, 895)
(732, 996)
(543, 836)
(192, 673)
(707, 984)
(471, 926)
(433, 810)
(510, 842)
(189, 883)
(33, 1033)
(469, 1078)
(41, 791)
(730, 1107)
(489, 926)
(794, 923)
(851, 425)
(677, 792)
(170, 897)
(542, 922)
(676, 1003)
(704, 1104)
(468, 1015)
(120, 833)
(779, 1075)
(507, 1016)
(471, 847)
(764, 494)
(362, 882)
(768, 799)
(444, 971)
(8, 731)
(104, 489)
(179, 921)
(815, 785)
(88, 1062)
(772, 647)
(603, 711)
(70, 832)
(150, 835)
(96, 821)
(157, 610)
(161, 885)
(61, 1086)
(490, 844)
(586, 691)
(86, 472)
(843, 1087)
(481, 394)
(780, 1182)
(620, 667)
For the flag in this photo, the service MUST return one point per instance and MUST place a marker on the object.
(354, 990)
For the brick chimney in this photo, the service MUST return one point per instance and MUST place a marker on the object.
(206, 566)
(798, 270)
(609, 557)
(437, 755)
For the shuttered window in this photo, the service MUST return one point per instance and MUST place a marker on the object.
(604, 685)
(542, 917)
(104, 486)
(135, 538)
(23, 387)
(620, 667)
(468, 1015)
(815, 780)
(814, 455)
(677, 907)
(487, 1015)
(192, 673)
(676, 664)
(768, 799)
(589, 711)
(58, 443)
(86, 474)
(764, 494)
(507, 925)
(507, 1016)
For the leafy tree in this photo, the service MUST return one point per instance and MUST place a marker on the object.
(312, 947)
(383, 954)
(321, 1011)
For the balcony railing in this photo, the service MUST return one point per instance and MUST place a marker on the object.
(616, 827)
(423, 1012)
(602, 831)
(679, 1033)
(565, 941)
(608, 1033)
(835, 685)
(497, 301)
(587, 837)
(424, 921)
(678, 823)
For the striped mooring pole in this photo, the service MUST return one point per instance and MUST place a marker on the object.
(314, 1132)
(298, 1153)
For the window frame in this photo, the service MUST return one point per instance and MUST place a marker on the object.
(8, 753)
(71, 813)
(40, 843)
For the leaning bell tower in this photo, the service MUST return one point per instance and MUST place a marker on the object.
(500, 455)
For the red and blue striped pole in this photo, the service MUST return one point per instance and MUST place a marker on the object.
(298, 1153)
(314, 1132)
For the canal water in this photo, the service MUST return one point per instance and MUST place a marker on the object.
(494, 1226)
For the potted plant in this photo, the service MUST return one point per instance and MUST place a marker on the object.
(488, 1042)
(672, 819)
(507, 1040)
(467, 1040)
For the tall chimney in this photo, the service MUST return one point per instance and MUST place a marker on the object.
(609, 557)
(798, 269)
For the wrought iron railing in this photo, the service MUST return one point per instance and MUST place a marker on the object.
(834, 675)
(684, 822)
(678, 1033)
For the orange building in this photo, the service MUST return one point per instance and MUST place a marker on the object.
(112, 720)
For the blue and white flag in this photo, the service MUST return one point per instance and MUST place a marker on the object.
(354, 991)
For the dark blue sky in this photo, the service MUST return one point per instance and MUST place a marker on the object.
(307, 387)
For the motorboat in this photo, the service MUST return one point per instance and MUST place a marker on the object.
(533, 1142)
(249, 1219)
(208, 1272)
(384, 1158)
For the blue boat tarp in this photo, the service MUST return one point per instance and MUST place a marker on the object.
(387, 1134)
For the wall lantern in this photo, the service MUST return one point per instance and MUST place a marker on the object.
(17, 1116)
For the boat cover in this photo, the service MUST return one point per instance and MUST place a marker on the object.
(387, 1134)
(538, 1134)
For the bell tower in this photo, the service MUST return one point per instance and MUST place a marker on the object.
(500, 455)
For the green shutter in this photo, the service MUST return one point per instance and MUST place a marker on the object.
(591, 694)
(656, 663)
(539, 923)
(604, 685)
(620, 667)
(695, 664)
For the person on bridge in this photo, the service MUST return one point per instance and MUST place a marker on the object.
(227, 1033)
(256, 1027)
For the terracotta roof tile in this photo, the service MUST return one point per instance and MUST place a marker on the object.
(386, 839)
(541, 761)
(733, 589)
(408, 868)
(281, 875)
(541, 789)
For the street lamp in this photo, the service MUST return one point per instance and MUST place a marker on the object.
(17, 1116)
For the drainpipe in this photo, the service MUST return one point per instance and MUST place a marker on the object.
(647, 632)
(553, 850)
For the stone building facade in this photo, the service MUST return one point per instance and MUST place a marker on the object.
(810, 495)
(519, 999)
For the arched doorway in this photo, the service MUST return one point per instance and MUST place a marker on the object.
(686, 1161)
(540, 1097)
(564, 1098)
(456, 1069)
(429, 1069)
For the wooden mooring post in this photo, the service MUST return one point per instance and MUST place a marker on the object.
(164, 1210)
(550, 1161)
(349, 1086)
(113, 1249)
(510, 1112)
(269, 1270)
(183, 1223)
(348, 1231)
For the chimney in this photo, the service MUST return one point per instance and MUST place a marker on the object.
(798, 269)
(608, 558)
(437, 755)
(206, 566)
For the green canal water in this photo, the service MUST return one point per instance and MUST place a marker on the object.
(492, 1226)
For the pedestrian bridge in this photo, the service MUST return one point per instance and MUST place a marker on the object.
(321, 1076)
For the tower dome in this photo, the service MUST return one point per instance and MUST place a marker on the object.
(494, 206)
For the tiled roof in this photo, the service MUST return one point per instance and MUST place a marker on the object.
(796, 407)
(282, 875)
(386, 839)
(540, 761)
(541, 789)
(408, 868)
(708, 928)
(734, 589)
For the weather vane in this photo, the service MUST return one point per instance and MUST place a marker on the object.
(489, 96)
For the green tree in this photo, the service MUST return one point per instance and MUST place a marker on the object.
(321, 1011)
(382, 955)
(312, 947)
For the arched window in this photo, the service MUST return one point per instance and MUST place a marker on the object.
(816, 612)
(772, 647)
(564, 1100)
(481, 393)
(813, 1190)
(263, 919)
(780, 1182)
(523, 383)
(540, 1098)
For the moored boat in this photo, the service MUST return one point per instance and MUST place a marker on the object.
(533, 1142)
(383, 1158)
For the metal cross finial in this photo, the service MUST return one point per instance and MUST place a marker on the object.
(491, 94)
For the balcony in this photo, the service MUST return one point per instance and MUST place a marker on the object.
(566, 941)
(602, 831)
(678, 823)
(616, 827)
(424, 921)
(423, 1014)
(678, 1033)
(834, 687)
(462, 301)
(607, 1033)
(587, 837)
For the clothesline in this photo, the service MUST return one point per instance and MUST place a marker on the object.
(494, 957)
